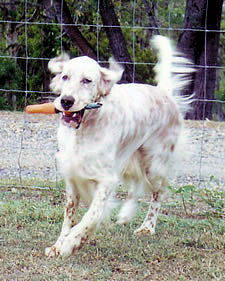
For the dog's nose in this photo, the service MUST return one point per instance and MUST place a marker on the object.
(67, 102)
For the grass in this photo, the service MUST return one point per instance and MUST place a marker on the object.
(189, 243)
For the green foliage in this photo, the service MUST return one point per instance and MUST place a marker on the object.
(213, 200)
(10, 74)
(11, 77)
(145, 72)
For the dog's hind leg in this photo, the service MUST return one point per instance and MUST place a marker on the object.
(128, 209)
(133, 179)
(148, 226)
(72, 202)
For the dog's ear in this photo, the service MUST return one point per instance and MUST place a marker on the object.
(56, 65)
(109, 77)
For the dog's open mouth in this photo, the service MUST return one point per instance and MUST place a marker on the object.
(73, 119)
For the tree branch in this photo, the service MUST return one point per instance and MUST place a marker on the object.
(151, 15)
(64, 17)
(116, 39)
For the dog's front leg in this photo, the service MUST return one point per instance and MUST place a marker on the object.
(82, 231)
(72, 202)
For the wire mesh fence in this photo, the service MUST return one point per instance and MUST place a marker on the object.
(31, 35)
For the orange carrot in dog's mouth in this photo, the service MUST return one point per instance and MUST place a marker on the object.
(49, 108)
(74, 119)
(45, 108)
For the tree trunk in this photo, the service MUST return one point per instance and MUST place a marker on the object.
(109, 18)
(201, 46)
(116, 38)
(150, 6)
(64, 17)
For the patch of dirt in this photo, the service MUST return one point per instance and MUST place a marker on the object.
(28, 146)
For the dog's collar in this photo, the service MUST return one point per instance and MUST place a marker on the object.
(93, 105)
(74, 119)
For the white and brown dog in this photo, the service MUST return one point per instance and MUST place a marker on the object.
(133, 137)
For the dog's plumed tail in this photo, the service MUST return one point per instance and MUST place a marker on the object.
(173, 70)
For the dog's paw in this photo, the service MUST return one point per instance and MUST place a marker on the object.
(52, 252)
(143, 230)
(123, 220)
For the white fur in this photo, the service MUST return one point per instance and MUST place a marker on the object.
(134, 137)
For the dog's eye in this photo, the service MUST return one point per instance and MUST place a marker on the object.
(65, 77)
(86, 81)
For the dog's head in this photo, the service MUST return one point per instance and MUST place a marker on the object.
(81, 81)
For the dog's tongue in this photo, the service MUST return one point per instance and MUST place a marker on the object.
(73, 118)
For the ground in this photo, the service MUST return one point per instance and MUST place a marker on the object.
(188, 245)
(28, 146)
